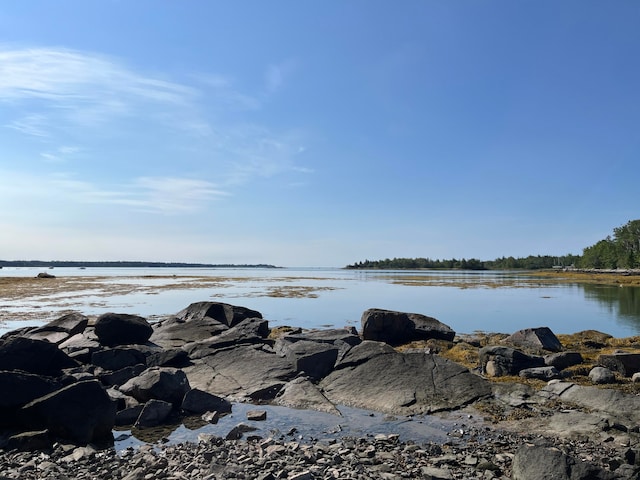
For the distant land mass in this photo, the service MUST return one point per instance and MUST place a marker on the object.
(61, 263)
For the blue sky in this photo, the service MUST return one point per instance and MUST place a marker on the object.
(316, 133)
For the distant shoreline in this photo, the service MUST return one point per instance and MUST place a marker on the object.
(125, 264)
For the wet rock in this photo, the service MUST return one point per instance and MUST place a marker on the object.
(396, 328)
(198, 402)
(114, 329)
(541, 338)
(257, 415)
(153, 413)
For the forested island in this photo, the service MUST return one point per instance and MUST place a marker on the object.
(622, 250)
(77, 264)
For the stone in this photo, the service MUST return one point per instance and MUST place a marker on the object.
(172, 357)
(315, 359)
(635, 378)
(396, 328)
(24, 388)
(29, 441)
(34, 356)
(117, 358)
(541, 373)
(257, 415)
(122, 376)
(129, 415)
(246, 371)
(301, 393)
(154, 413)
(160, 383)
(562, 360)
(113, 329)
(541, 338)
(236, 432)
(624, 363)
(498, 361)
(61, 329)
(391, 382)
(247, 332)
(600, 375)
(198, 402)
(81, 412)
(544, 463)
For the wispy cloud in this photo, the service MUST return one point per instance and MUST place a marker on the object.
(277, 74)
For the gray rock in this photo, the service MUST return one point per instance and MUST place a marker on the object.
(624, 363)
(160, 383)
(114, 329)
(541, 373)
(34, 356)
(397, 328)
(236, 432)
(154, 413)
(301, 393)
(247, 332)
(81, 412)
(397, 383)
(498, 361)
(543, 463)
(541, 338)
(122, 376)
(197, 402)
(246, 371)
(117, 358)
(562, 360)
(23, 388)
(600, 375)
(315, 359)
(61, 329)
(257, 415)
(229, 315)
(129, 415)
(29, 441)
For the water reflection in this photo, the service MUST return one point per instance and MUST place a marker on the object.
(622, 302)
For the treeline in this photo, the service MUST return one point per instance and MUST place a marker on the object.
(529, 263)
(620, 251)
(124, 264)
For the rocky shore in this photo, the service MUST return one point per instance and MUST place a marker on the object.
(529, 408)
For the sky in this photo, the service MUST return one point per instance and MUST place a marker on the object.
(316, 133)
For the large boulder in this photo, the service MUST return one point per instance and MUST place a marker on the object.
(200, 321)
(315, 359)
(60, 329)
(118, 357)
(81, 412)
(198, 402)
(248, 331)
(160, 383)
(303, 394)
(114, 329)
(396, 328)
(622, 362)
(153, 413)
(541, 338)
(544, 463)
(246, 371)
(23, 388)
(498, 361)
(374, 376)
(34, 356)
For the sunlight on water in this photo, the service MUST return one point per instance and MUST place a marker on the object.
(320, 298)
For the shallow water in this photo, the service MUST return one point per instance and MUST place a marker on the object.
(319, 298)
(303, 426)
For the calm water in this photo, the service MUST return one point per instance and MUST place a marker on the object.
(466, 301)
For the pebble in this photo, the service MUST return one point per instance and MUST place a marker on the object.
(484, 455)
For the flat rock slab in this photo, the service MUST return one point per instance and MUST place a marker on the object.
(396, 383)
(302, 394)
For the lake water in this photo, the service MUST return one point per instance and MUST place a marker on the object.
(490, 301)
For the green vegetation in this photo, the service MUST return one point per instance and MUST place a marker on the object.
(621, 251)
